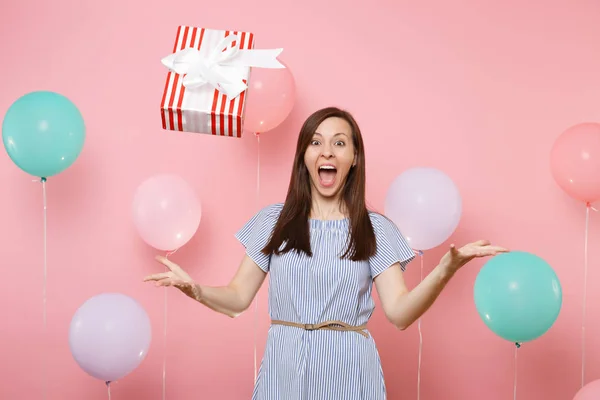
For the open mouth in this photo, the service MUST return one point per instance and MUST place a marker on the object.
(327, 174)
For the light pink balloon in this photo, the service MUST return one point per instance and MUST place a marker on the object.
(166, 212)
(591, 391)
(426, 206)
(575, 162)
(271, 96)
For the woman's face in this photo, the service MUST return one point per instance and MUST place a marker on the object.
(329, 157)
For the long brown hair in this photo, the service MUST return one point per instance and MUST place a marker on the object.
(292, 226)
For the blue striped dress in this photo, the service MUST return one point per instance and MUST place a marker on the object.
(321, 364)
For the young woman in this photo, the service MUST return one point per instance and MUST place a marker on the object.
(323, 250)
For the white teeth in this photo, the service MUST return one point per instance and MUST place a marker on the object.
(326, 167)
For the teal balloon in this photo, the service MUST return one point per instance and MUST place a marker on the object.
(43, 133)
(518, 296)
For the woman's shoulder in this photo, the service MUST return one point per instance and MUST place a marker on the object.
(380, 221)
(376, 216)
(264, 218)
(272, 210)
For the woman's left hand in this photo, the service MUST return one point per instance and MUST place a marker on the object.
(455, 258)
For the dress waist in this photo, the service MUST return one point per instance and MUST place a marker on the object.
(327, 325)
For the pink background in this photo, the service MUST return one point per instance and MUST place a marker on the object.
(477, 90)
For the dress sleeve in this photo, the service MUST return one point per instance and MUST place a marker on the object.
(255, 234)
(392, 247)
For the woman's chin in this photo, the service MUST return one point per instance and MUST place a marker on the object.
(327, 192)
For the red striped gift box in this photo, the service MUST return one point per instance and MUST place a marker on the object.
(204, 109)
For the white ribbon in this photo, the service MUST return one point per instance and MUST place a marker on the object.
(224, 70)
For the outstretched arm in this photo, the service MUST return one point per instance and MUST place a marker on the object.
(231, 300)
(403, 307)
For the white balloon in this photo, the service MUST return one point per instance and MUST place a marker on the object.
(426, 206)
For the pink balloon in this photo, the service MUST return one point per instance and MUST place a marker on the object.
(591, 391)
(166, 212)
(575, 162)
(271, 95)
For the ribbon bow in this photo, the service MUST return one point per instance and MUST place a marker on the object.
(223, 67)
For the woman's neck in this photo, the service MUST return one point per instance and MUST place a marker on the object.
(327, 209)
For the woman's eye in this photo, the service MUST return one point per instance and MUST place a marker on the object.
(314, 142)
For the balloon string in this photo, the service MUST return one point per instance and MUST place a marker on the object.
(255, 336)
(420, 253)
(517, 346)
(164, 366)
(108, 389)
(585, 275)
(256, 297)
(45, 281)
(258, 168)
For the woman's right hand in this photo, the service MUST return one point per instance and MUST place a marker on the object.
(176, 277)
